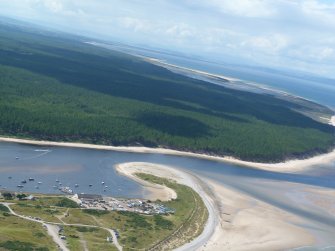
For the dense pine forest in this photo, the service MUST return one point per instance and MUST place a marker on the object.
(56, 87)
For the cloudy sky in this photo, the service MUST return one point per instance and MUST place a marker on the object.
(292, 34)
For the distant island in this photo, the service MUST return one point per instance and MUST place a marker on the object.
(56, 87)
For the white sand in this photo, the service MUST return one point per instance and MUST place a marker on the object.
(157, 192)
(249, 224)
(332, 121)
(183, 178)
(236, 221)
(288, 166)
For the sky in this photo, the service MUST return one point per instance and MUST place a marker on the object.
(282, 34)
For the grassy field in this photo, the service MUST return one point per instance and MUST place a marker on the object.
(91, 238)
(55, 87)
(140, 232)
(19, 234)
(189, 219)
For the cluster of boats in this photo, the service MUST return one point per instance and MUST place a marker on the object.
(25, 182)
(59, 185)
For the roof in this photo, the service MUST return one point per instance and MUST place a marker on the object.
(90, 196)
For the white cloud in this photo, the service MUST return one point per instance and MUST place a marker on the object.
(322, 11)
(135, 24)
(298, 34)
(271, 43)
(181, 30)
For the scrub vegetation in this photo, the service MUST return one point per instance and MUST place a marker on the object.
(56, 87)
(136, 231)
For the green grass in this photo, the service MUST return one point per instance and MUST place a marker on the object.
(3, 208)
(58, 88)
(189, 219)
(19, 234)
(136, 231)
(94, 212)
(65, 202)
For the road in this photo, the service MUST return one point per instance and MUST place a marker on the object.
(52, 229)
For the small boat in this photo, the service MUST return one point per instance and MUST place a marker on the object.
(40, 182)
(57, 181)
(102, 183)
(106, 186)
(31, 179)
(23, 181)
(67, 190)
(20, 186)
(76, 185)
(10, 177)
(90, 185)
(17, 158)
(54, 187)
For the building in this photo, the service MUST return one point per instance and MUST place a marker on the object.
(90, 197)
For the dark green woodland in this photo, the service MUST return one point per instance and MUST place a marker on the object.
(56, 87)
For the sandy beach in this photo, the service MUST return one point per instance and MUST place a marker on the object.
(236, 221)
(156, 192)
(288, 166)
(332, 121)
(128, 169)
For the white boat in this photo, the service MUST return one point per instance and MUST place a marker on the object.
(67, 190)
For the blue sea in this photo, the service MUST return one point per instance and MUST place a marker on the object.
(314, 88)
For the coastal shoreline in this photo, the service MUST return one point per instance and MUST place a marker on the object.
(181, 177)
(234, 218)
(156, 191)
(288, 166)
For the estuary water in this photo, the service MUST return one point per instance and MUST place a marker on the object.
(85, 167)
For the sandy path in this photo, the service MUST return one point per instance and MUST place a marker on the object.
(51, 229)
(53, 232)
(288, 166)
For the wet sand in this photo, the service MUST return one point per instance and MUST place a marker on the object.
(236, 221)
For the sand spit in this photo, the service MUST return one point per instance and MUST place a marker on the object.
(156, 192)
(288, 166)
(332, 121)
(188, 179)
(236, 221)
